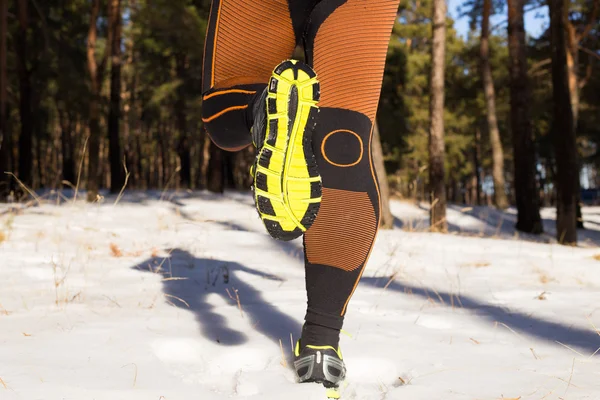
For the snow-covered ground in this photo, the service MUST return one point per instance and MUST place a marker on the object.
(186, 297)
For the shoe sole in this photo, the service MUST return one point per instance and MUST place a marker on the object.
(287, 184)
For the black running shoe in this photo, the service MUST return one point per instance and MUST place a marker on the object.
(287, 184)
(320, 364)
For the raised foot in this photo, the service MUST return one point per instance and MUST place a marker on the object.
(287, 184)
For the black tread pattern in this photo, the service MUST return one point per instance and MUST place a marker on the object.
(264, 205)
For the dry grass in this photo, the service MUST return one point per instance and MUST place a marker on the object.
(236, 299)
(479, 264)
(593, 325)
(28, 190)
(543, 277)
(176, 298)
(115, 251)
(84, 152)
(135, 374)
(596, 257)
(570, 378)
(127, 175)
(162, 196)
(542, 296)
(2, 236)
(533, 352)
(59, 282)
(283, 359)
(570, 348)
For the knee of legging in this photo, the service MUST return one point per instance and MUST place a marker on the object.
(346, 226)
(342, 145)
(226, 125)
(228, 136)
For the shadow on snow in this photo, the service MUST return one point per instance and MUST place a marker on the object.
(583, 339)
(188, 281)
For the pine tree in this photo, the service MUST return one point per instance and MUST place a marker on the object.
(490, 99)
(567, 171)
(436, 111)
(526, 191)
(114, 117)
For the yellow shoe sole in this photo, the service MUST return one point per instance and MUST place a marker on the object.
(287, 184)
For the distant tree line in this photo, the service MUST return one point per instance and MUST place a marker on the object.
(103, 94)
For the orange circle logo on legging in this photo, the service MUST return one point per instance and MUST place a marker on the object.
(343, 135)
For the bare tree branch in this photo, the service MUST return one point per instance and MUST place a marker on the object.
(539, 65)
(590, 52)
(588, 75)
(503, 22)
(591, 21)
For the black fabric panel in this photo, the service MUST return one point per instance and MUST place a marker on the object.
(229, 132)
(357, 178)
(232, 129)
(319, 335)
(328, 289)
(343, 148)
(300, 11)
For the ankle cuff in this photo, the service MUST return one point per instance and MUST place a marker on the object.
(325, 319)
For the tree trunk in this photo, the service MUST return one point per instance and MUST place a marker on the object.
(114, 117)
(4, 138)
(572, 59)
(387, 219)
(215, 174)
(136, 127)
(436, 129)
(25, 112)
(164, 162)
(477, 182)
(183, 147)
(490, 99)
(96, 74)
(572, 41)
(39, 159)
(567, 172)
(68, 159)
(526, 192)
(201, 175)
(475, 196)
(94, 124)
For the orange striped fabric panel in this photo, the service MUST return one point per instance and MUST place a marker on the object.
(350, 51)
(252, 37)
(344, 230)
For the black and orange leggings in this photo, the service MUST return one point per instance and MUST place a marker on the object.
(346, 42)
